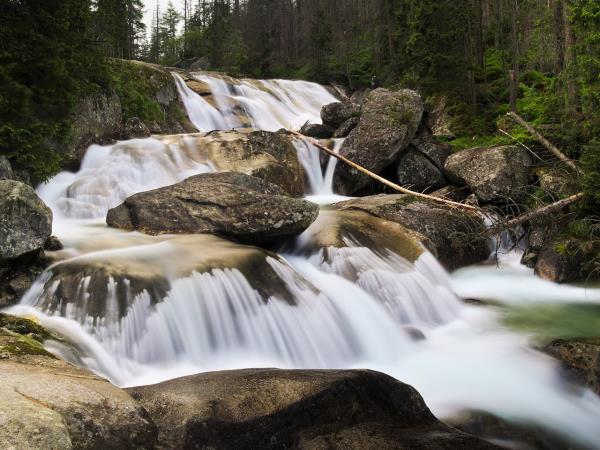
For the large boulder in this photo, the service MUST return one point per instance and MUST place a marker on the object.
(47, 403)
(262, 154)
(492, 173)
(457, 238)
(268, 408)
(25, 221)
(421, 166)
(418, 173)
(229, 204)
(387, 125)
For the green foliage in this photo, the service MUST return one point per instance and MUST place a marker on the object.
(46, 62)
(133, 85)
(590, 162)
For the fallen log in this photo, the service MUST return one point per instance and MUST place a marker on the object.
(536, 213)
(383, 180)
(542, 140)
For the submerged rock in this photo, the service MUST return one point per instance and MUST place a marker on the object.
(262, 154)
(229, 204)
(581, 357)
(25, 221)
(302, 409)
(387, 125)
(50, 404)
(492, 173)
(457, 238)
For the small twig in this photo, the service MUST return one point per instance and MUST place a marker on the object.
(520, 143)
(383, 180)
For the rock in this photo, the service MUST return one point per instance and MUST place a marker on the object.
(199, 87)
(194, 64)
(25, 221)
(418, 173)
(335, 114)
(338, 228)
(134, 128)
(556, 266)
(6, 172)
(18, 275)
(262, 154)
(458, 238)
(46, 403)
(346, 128)
(581, 358)
(437, 119)
(316, 130)
(454, 193)
(114, 284)
(436, 152)
(233, 205)
(558, 183)
(268, 408)
(53, 244)
(494, 174)
(387, 125)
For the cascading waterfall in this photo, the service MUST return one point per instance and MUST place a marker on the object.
(172, 306)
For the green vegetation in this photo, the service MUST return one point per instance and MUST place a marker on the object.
(46, 63)
(133, 84)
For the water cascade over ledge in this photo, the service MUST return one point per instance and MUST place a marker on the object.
(141, 309)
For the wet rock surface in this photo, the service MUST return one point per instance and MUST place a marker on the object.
(47, 403)
(388, 123)
(581, 358)
(229, 204)
(262, 154)
(457, 238)
(303, 409)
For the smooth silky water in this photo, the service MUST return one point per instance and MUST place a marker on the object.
(142, 309)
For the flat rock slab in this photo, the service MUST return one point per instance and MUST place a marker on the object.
(46, 403)
(233, 205)
(300, 409)
(457, 238)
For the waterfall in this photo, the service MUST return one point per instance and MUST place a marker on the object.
(141, 309)
(260, 104)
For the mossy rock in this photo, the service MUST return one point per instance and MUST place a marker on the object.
(19, 337)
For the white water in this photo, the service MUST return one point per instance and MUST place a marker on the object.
(353, 308)
(264, 104)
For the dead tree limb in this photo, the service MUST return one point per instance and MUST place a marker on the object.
(536, 213)
(383, 180)
(519, 142)
(542, 140)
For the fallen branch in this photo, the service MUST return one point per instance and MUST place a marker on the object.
(534, 214)
(519, 142)
(542, 140)
(383, 180)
